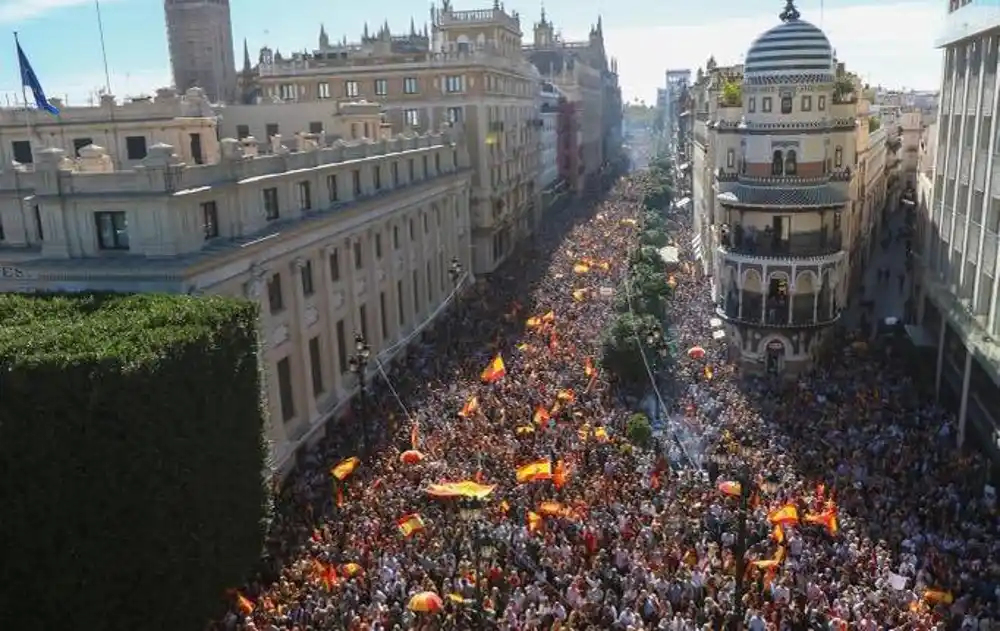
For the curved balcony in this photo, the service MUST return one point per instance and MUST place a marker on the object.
(794, 311)
(819, 245)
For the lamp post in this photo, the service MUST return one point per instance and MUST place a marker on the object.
(358, 364)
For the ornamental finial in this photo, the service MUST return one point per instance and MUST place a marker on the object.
(790, 14)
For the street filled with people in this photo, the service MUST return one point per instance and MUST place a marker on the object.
(499, 489)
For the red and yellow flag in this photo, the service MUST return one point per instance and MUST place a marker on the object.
(588, 367)
(345, 468)
(410, 524)
(567, 396)
(559, 474)
(730, 488)
(495, 371)
(471, 407)
(938, 597)
(827, 519)
(535, 522)
(541, 416)
(787, 514)
(534, 471)
(246, 607)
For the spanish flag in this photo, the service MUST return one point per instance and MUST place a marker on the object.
(345, 468)
(567, 396)
(538, 470)
(581, 268)
(559, 475)
(787, 514)
(535, 522)
(495, 371)
(579, 294)
(779, 534)
(938, 597)
(588, 367)
(827, 519)
(550, 316)
(246, 607)
(533, 322)
(541, 416)
(410, 524)
(471, 407)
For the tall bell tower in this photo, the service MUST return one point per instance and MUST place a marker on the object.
(200, 37)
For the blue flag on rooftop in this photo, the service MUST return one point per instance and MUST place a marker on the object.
(30, 81)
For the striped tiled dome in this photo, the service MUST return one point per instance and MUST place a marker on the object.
(794, 48)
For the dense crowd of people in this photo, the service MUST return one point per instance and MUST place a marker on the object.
(610, 536)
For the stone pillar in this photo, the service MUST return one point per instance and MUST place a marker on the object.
(963, 410)
(940, 362)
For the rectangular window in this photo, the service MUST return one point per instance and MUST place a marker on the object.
(413, 232)
(79, 143)
(288, 91)
(39, 227)
(838, 157)
(363, 320)
(305, 196)
(423, 172)
(359, 260)
(752, 104)
(275, 296)
(352, 89)
(416, 292)
(730, 158)
(437, 163)
(242, 131)
(378, 245)
(135, 147)
(381, 87)
(335, 266)
(341, 347)
(271, 210)
(316, 366)
(821, 102)
(454, 115)
(323, 90)
(400, 305)
(356, 180)
(112, 230)
(271, 130)
(411, 169)
(316, 127)
(308, 288)
(411, 117)
(395, 237)
(807, 103)
(331, 188)
(209, 220)
(429, 284)
(377, 177)
(395, 174)
(383, 319)
(786, 105)
(410, 85)
(285, 391)
(765, 104)
(454, 83)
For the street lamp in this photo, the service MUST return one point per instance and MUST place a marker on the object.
(358, 364)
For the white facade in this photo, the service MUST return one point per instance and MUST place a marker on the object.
(548, 162)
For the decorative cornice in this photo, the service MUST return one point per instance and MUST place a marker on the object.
(789, 79)
(830, 258)
(823, 126)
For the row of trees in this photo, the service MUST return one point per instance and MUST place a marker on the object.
(637, 336)
(132, 459)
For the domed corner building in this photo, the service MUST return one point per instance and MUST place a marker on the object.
(783, 186)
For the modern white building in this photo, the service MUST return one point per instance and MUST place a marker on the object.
(548, 162)
(959, 306)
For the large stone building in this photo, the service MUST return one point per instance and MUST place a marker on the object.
(467, 72)
(789, 181)
(355, 237)
(959, 302)
(126, 131)
(200, 38)
(588, 79)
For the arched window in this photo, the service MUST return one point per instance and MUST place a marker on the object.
(790, 165)
(777, 163)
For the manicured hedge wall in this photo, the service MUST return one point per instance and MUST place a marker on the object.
(132, 492)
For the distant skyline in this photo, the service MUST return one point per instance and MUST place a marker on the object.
(887, 43)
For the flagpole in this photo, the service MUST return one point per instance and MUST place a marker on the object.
(24, 91)
(107, 84)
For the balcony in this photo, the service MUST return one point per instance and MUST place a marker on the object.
(815, 244)
(795, 311)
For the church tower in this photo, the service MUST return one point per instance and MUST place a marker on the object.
(200, 37)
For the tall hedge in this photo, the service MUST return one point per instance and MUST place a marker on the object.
(132, 493)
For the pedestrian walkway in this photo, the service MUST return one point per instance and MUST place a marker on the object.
(886, 283)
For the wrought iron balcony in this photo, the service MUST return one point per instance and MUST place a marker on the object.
(800, 245)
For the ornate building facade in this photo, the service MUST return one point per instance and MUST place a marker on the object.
(786, 193)
(465, 71)
(588, 79)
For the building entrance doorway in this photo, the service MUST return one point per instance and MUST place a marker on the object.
(774, 357)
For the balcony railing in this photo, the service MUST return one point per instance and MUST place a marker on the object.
(798, 310)
(807, 244)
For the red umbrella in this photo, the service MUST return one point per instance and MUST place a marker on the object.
(411, 456)
(696, 352)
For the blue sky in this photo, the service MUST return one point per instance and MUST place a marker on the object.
(888, 42)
